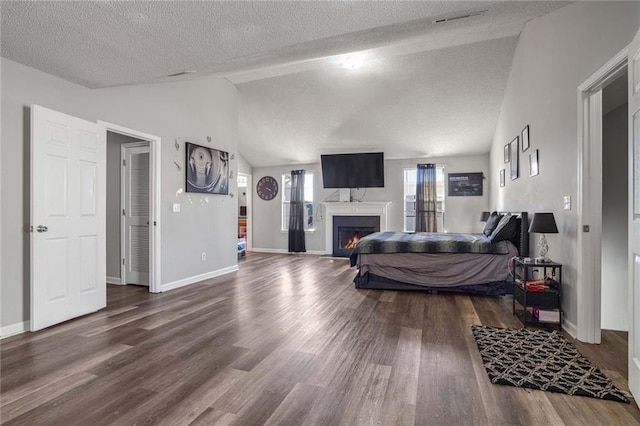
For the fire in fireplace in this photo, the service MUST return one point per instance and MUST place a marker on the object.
(348, 236)
(347, 230)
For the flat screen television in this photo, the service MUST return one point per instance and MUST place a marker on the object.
(353, 170)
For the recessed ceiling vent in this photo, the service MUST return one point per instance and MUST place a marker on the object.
(459, 17)
(181, 73)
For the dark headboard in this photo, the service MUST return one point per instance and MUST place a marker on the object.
(522, 240)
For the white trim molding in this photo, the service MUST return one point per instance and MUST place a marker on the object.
(114, 280)
(13, 329)
(589, 256)
(570, 328)
(155, 256)
(197, 278)
(285, 251)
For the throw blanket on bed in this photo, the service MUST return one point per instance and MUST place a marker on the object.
(426, 242)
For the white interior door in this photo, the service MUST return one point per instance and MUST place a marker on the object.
(634, 217)
(68, 196)
(136, 174)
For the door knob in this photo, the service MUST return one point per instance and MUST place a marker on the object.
(42, 228)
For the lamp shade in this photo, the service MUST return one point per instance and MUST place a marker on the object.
(543, 223)
(484, 216)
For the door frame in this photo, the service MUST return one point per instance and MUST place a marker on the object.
(589, 192)
(155, 195)
(123, 203)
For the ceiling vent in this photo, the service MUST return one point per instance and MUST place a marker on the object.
(457, 18)
(181, 73)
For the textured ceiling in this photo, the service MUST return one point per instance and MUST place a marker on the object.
(417, 80)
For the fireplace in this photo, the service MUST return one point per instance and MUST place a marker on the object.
(347, 230)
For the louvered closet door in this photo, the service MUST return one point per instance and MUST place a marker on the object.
(136, 261)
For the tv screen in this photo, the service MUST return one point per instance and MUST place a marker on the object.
(353, 170)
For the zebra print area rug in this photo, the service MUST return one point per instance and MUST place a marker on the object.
(539, 359)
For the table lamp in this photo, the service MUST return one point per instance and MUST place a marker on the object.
(543, 223)
(484, 216)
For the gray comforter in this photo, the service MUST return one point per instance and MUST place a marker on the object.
(426, 242)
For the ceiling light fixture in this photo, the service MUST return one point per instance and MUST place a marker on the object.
(465, 16)
(352, 62)
(181, 73)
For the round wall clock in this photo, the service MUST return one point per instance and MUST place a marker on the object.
(267, 188)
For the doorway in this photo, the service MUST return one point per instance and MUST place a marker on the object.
(132, 207)
(244, 210)
(591, 208)
(615, 205)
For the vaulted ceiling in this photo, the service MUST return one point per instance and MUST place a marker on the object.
(422, 88)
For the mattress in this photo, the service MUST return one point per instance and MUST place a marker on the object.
(438, 270)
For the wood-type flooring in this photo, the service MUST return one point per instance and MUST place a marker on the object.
(287, 340)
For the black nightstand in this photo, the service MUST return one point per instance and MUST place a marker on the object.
(548, 301)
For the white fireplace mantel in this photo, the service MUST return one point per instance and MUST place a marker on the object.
(364, 208)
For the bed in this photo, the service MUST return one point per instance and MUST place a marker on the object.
(469, 263)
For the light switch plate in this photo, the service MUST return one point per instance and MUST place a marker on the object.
(176, 207)
(567, 202)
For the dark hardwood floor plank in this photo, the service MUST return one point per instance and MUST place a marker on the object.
(285, 340)
(45, 394)
(30, 384)
(400, 398)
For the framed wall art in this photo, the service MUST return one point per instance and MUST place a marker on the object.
(533, 163)
(513, 151)
(207, 169)
(464, 184)
(525, 138)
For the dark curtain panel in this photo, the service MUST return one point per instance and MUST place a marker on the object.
(296, 213)
(426, 198)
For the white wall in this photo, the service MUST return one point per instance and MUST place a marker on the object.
(614, 220)
(114, 143)
(243, 165)
(169, 110)
(555, 54)
(462, 213)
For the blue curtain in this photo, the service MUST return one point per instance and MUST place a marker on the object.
(296, 213)
(426, 198)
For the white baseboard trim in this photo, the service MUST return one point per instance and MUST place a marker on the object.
(114, 280)
(285, 251)
(197, 278)
(570, 328)
(13, 329)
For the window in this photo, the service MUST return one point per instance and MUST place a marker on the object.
(410, 179)
(308, 201)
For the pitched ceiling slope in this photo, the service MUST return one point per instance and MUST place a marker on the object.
(108, 43)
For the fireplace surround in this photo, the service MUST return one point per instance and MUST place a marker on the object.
(377, 209)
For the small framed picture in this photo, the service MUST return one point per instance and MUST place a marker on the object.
(513, 151)
(533, 163)
(525, 138)
(506, 153)
(501, 178)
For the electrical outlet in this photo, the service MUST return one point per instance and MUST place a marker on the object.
(204, 256)
(176, 207)
(567, 202)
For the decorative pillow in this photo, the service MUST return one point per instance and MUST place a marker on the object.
(491, 224)
(507, 229)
